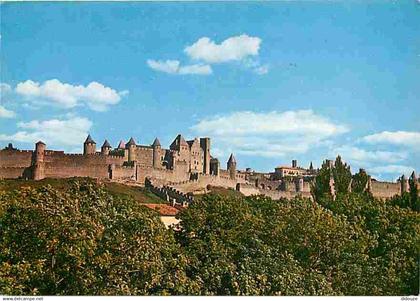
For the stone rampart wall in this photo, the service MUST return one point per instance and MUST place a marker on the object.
(14, 172)
(277, 194)
(202, 182)
(164, 175)
(60, 165)
(385, 189)
(15, 158)
(168, 193)
(123, 172)
(248, 189)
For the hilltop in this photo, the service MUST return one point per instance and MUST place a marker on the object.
(139, 194)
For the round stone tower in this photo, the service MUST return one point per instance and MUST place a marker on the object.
(157, 163)
(131, 147)
(38, 161)
(231, 167)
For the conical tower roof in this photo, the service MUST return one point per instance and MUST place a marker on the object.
(311, 167)
(179, 140)
(106, 144)
(156, 142)
(121, 145)
(89, 140)
(413, 175)
(231, 159)
(131, 142)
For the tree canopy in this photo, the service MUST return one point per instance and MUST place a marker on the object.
(82, 241)
(85, 241)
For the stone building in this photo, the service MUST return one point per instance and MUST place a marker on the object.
(293, 171)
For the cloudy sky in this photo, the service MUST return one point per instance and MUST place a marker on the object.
(270, 82)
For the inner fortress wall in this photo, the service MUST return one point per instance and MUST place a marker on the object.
(170, 175)
(119, 160)
(202, 182)
(180, 173)
(144, 156)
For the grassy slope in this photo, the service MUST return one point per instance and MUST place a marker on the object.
(139, 194)
(228, 192)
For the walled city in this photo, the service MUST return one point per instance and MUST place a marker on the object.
(185, 169)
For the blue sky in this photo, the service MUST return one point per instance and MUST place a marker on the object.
(270, 82)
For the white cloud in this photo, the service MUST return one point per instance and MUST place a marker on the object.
(379, 163)
(288, 122)
(174, 67)
(270, 134)
(56, 132)
(242, 48)
(391, 170)
(232, 49)
(396, 138)
(4, 88)
(95, 95)
(362, 157)
(196, 69)
(256, 66)
(260, 70)
(5, 113)
(168, 66)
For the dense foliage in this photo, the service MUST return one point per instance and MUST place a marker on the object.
(82, 241)
(86, 241)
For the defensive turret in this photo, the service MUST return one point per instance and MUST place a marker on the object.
(38, 164)
(131, 146)
(157, 163)
(231, 167)
(106, 148)
(89, 147)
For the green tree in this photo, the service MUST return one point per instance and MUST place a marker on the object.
(342, 176)
(236, 246)
(414, 194)
(360, 181)
(391, 257)
(84, 241)
(321, 184)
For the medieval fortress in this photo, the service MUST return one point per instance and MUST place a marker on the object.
(185, 169)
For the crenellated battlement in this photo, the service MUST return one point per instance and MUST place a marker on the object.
(114, 157)
(19, 151)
